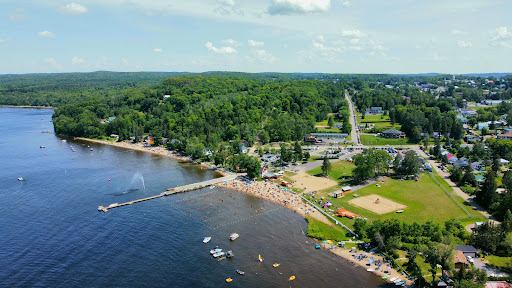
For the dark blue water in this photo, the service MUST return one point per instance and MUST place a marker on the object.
(51, 234)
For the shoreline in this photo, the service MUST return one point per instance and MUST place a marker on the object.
(161, 151)
(269, 191)
(274, 193)
(26, 107)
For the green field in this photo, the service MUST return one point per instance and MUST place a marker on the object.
(322, 231)
(329, 130)
(383, 124)
(425, 201)
(378, 141)
(499, 261)
(339, 169)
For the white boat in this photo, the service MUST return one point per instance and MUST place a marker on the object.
(216, 250)
(20, 179)
(42, 146)
(207, 239)
(393, 279)
(370, 269)
(233, 236)
(218, 254)
(397, 281)
(230, 254)
(63, 140)
(113, 204)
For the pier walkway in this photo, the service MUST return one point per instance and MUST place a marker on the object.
(179, 189)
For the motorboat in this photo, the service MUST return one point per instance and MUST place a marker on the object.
(218, 254)
(20, 179)
(276, 265)
(233, 236)
(215, 250)
(42, 146)
(229, 280)
(230, 254)
(207, 239)
(240, 272)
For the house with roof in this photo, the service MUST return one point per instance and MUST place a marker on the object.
(497, 284)
(466, 112)
(462, 162)
(467, 250)
(479, 178)
(460, 260)
(392, 133)
(462, 119)
(505, 136)
(477, 165)
(374, 110)
(471, 138)
(504, 161)
(482, 125)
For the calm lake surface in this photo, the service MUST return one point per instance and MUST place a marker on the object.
(51, 234)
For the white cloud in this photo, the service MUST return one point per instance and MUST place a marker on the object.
(227, 2)
(464, 44)
(158, 50)
(457, 32)
(286, 7)
(52, 62)
(231, 42)
(73, 9)
(47, 34)
(221, 50)
(77, 60)
(501, 37)
(352, 33)
(265, 56)
(323, 48)
(345, 3)
(254, 43)
(2, 40)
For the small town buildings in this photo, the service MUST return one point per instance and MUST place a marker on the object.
(392, 133)
(460, 260)
(467, 250)
(114, 136)
(337, 194)
(493, 102)
(346, 189)
(482, 125)
(471, 138)
(506, 136)
(308, 138)
(462, 119)
(330, 135)
(504, 161)
(338, 125)
(466, 112)
(477, 165)
(374, 110)
(462, 162)
(497, 284)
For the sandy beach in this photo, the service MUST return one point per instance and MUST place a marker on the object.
(161, 151)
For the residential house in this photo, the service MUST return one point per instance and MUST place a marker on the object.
(114, 136)
(374, 110)
(477, 166)
(479, 178)
(452, 159)
(338, 125)
(482, 125)
(466, 112)
(462, 162)
(392, 133)
(467, 250)
(506, 136)
(493, 102)
(462, 119)
(471, 138)
(346, 189)
(504, 161)
(460, 260)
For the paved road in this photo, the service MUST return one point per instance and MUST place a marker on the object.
(355, 133)
(490, 271)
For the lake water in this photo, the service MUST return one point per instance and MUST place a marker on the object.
(51, 234)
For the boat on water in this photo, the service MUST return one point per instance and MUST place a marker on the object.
(64, 140)
(230, 254)
(215, 250)
(370, 269)
(207, 239)
(233, 236)
(259, 258)
(276, 265)
(240, 272)
(218, 254)
(113, 204)
(292, 278)
(20, 179)
(42, 146)
(229, 280)
(318, 246)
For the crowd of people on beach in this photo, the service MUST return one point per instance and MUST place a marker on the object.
(273, 192)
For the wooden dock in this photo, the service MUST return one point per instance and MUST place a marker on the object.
(170, 191)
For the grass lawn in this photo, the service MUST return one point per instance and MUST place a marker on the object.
(499, 261)
(339, 169)
(425, 201)
(379, 123)
(322, 231)
(375, 140)
(329, 130)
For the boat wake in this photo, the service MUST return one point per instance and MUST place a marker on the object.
(125, 192)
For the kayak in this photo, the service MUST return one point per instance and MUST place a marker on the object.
(276, 265)
(229, 280)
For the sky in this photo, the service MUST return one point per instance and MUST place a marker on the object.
(327, 36)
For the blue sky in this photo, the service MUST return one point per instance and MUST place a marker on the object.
(331, 36)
